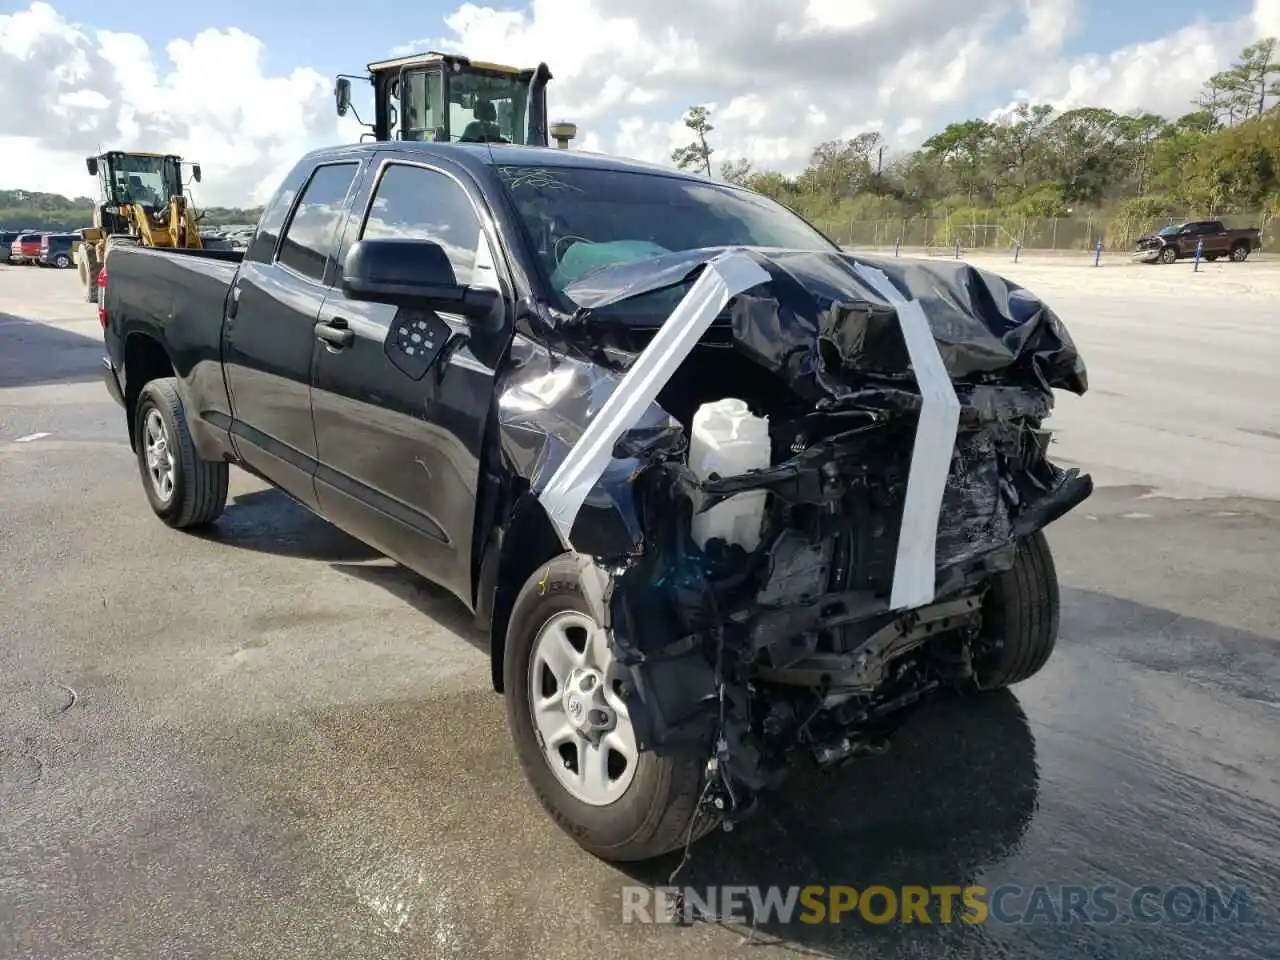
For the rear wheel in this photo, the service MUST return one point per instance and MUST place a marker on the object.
(1020, 617)
(567, 709)
(62, 261)
(184, 489)
(1240, 253)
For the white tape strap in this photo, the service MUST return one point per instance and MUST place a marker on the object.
(914, 572)
(915, 568)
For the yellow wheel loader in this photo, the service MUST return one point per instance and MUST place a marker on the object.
(142, 201)
(451, 98)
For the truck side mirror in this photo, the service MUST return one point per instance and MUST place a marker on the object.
(342, 95)
(195, 172)
(417, 273)
(91, 164)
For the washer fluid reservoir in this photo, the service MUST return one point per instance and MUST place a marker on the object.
(728, 440)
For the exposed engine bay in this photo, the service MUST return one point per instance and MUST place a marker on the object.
(897, 409)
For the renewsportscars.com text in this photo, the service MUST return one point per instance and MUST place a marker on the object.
(943, 904)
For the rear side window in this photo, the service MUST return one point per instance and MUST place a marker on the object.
(263, 246)
(310, 238)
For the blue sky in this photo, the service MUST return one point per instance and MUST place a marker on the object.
(336, 36)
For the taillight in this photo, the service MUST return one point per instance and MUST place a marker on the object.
(102, 297)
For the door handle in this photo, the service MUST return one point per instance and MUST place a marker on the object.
(234, 303)
(335, 333)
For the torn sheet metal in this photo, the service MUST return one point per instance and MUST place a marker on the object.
(723, 278)
(915, 570)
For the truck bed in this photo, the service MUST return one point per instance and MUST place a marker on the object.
(174, 298)
(182, 292)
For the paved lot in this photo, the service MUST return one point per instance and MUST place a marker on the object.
(269, 743)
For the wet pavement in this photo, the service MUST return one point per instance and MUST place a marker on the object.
(268, 742)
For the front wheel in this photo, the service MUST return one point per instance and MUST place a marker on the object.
(1239, 253)
(1168, 255)
(567, 709)
(184, 489)
(1020, 617)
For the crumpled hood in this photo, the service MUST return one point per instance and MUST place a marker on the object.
(826, 325)
(823, 328)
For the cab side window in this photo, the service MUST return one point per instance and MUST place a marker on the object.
(311, 236)
(413, 203)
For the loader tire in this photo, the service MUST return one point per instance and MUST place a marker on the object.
(1020, 617)
(87, 267)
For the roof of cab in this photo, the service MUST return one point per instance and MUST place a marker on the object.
(501, 154)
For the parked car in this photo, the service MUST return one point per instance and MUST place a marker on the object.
(25, 248)
(56, 249)
(518, 373)
(1180, 240)
(6, 245)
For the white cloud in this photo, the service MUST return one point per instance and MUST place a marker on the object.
(785, 75)
(111, 91)
(1161, 76)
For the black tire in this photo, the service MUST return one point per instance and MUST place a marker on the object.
(1240, 253)
(62, 261)
(87, 268)
(658, 812)
(199, 491)
(1020, 617)
(1168, 254)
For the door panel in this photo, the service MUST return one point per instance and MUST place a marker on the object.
(269, 333)
(267, 356)
(399, 453)
(399, 457)
(1216, 242)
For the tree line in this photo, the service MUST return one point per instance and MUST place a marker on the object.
(31, 210)
(1220, 157)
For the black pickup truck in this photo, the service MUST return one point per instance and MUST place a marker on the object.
(485, 361)
(1213, 239)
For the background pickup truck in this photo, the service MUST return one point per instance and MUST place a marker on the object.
(489, 363)
(1180, 240)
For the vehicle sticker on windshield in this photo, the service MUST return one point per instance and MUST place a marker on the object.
(536, 177)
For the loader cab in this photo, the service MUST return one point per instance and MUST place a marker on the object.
(150, 179)
(452, 99)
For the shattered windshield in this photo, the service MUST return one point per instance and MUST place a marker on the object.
(580, 220)
(1171, 231)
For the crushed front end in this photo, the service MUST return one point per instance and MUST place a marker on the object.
(888, 455)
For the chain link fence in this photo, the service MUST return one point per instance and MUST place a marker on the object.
(996, 232)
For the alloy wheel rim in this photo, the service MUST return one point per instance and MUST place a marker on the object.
(576, 698)
(159, 456)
